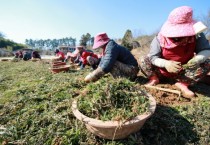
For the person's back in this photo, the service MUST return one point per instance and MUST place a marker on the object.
(26, 55)
(115, 52)
(19, 54)
(60, 55)
(35, 54)
(89, 58)
(115, 59)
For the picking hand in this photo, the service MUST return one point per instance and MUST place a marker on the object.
(95, 75)
(193, 62)
(173, 66)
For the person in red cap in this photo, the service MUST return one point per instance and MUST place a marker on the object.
(115, 59)
(87, 58)
(178, 52)
(60, 55)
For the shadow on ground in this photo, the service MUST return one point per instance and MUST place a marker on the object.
(201, 88)
(165, 127)
(168, 127)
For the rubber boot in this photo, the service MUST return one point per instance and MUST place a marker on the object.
(153, 80)
(184, 89)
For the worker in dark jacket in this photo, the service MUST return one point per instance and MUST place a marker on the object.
(35, 54)
(116, 59)
(26, 55)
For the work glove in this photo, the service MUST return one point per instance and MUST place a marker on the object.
(198, 59)
(95, 75)
(172, 66)
(194, 62)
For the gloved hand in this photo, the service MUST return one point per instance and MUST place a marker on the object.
(198, 59)
(95, 75)
(172, 66)
(194, 62)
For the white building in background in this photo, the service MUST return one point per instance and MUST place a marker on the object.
(66, 49)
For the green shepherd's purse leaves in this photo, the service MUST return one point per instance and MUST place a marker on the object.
(113, 99)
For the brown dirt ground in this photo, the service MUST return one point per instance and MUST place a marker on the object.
(167, 98)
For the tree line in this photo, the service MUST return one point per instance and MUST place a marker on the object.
(10, 45)
(86, 40)
(50, 43)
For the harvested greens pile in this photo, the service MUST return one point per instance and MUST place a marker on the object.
(109, 99)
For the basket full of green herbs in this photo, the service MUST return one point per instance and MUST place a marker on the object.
(110, 104)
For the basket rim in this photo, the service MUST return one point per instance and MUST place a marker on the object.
(113, 124)
(62, 67)
(58, 62)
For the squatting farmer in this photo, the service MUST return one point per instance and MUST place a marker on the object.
(178, 52)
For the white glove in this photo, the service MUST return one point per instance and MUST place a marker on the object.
(172, 66)
(199, 58)
(194, 62)
(169, 65)
(95, 75)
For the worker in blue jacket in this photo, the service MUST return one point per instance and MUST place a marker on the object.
(115, 59)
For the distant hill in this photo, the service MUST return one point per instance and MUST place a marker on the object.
(7, 47)
(10, 45)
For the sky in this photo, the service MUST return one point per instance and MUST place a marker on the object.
(56, 19)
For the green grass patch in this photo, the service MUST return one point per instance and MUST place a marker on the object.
(35, 108)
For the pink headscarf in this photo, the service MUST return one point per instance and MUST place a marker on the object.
(169, 43)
